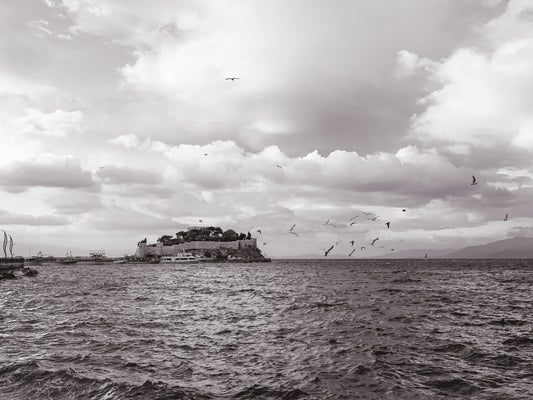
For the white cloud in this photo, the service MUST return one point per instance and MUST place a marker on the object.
(485, 97)
(56, 123)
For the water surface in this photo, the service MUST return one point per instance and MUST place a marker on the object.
(304, 329)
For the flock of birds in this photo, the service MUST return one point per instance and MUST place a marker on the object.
(369, 216)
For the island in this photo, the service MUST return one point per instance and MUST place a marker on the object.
(206, 243)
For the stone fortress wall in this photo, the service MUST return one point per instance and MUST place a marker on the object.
(159, 250)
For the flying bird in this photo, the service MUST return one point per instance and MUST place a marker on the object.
(328, 250)
(259, 230)
(374, 241)
(473, 180)
(292, 227)
(363, 247)
(426, 256)
(352, 223)
(388, 224)
(294, 233)
(506, 217)
(205, 154)
(327, 222)
(264, 244)
(404, 210)
(352, 242)
(349, 255)
(376, 217)
(231, 79)
(351, 219)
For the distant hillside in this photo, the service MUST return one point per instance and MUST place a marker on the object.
(521, 247)
(417, 253)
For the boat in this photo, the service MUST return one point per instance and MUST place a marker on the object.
(68, 259)
(181, 258)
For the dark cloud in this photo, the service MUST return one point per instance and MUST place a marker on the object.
(115, 175)
(31, 220)
(53, 172)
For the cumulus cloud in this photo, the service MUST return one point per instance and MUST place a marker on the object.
(484, 95)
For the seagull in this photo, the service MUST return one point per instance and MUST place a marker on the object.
(426, 256)
(328, 250)
(231, 79)
(404, 210)
(506, 217)
(391, 249)
(327, 222)
(374, 241)
(205, 154)
(290, 230)
(294, 233)
(376, 217)
(349, 255)
(264, 244)
(200, 220)
(351, 219)
(388, 224)
(363, 247)
(259, 230)
(352, 223)
(473, 180)
(279, 166)
(352, 242)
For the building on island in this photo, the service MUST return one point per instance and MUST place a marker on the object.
(210, 242)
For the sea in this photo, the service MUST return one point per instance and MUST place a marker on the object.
(289, 329)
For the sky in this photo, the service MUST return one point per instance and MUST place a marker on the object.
(117, 123)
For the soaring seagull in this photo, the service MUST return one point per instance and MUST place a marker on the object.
(231, 79)
(506, 217)
(388, 224)
(473, 180)
(294, 233)
(363, 247)
(352, 242)
(328, 250)
(374, 241)
(292, 227)
(349, 255)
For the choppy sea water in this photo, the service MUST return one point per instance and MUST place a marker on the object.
(315, 329)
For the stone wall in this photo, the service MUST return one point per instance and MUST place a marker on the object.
(144, 250)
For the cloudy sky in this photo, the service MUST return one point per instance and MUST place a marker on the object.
(117, 122)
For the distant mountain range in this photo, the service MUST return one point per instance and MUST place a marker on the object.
(519, 247)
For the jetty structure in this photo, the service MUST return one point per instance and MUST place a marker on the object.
(207, 243)
(10, 265)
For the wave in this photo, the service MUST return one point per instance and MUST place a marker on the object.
(31, 380)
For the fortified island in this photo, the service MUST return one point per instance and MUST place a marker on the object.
(205, 244)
